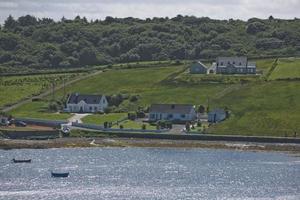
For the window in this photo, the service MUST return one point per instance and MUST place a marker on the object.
(182, 116)
(221, 63)
(91, 108)
(152, 116)
(103, 101)
(95, 108)
(170, 116)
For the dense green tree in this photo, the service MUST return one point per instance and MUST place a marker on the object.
(32, 42)
(10, 23)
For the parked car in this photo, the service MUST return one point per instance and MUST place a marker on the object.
(20, 123)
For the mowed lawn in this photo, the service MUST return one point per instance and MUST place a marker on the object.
(38, 110)
(101, 118)
(261, 109)
(129, 124)
(286, 69)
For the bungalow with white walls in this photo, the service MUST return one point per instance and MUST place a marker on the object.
(81, 103)
(172, 112)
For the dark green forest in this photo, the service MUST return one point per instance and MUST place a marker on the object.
(29, 42)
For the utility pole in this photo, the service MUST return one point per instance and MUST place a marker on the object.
(207, 108)
(53, 88)
(64, 88)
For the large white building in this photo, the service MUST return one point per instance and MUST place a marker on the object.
(80, 103)
(234, 65)
(172, 112)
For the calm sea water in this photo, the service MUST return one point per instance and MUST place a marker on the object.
(147, 173)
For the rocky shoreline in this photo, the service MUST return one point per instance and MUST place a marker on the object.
(76, 142)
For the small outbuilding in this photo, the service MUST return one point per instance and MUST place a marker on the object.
(198, 68)
(216, 116)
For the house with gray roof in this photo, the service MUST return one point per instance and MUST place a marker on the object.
(198, 68)
(172, 112)
(82, 103)
(234, 65)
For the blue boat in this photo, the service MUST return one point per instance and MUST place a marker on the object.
(60, 175)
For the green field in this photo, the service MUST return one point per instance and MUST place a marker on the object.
(149, 84)
(258, 106)
(100, 119)
(287, 69)
(16, 88)
(129, 124)
(261, 109)
(38, 110)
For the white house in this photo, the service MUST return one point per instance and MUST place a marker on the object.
(81, 103)
(234, 65)
(172, 112)
(216, 116)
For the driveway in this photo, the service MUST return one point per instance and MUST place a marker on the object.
(77, 118)
(177, 128)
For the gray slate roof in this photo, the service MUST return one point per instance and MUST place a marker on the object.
(89, 99)
(217, 111)
(171, 108)
(198, 64)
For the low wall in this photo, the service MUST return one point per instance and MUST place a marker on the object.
(42, 122)
(230, 138)
(31, 134)
(101, 128)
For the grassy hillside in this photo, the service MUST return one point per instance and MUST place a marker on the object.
(15, 88)
(287, 69)
(148, 83)
(261, 109)
(258, 107)
(38, 110)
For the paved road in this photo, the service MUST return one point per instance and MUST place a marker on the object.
(47, 93)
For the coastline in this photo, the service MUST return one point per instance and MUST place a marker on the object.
(81, 142)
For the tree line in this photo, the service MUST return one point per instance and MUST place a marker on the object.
(29, 42)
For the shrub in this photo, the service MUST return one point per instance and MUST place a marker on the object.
(132, 116)
(140, 114)
(164, 124)
(133, 98)
(53, 107)
(105, 124)
(199, 124)
(144, 126)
